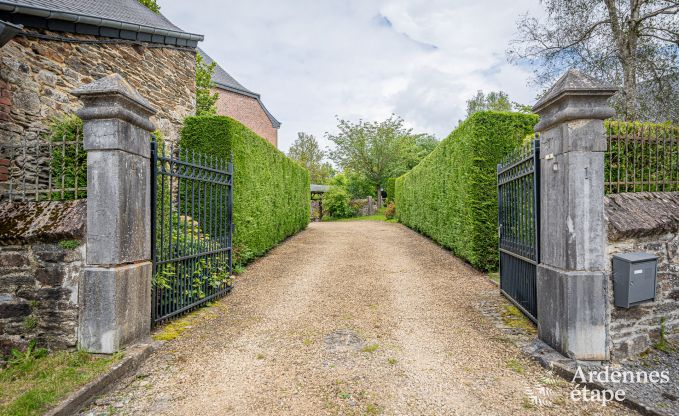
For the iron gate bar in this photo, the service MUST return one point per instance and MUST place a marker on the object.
(192, 228)
(519, 225)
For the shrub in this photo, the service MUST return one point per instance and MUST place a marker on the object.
(390, 211)
(271, 193)
(68, 166)
(356, 184)
(644, 158)
(336, 202)
(451, 196)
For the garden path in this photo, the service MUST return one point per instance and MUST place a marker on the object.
(358, 317)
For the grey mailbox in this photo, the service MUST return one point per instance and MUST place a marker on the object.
(634, 276)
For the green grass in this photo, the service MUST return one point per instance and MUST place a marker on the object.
(379, 216)
(33, 385)
(494, 276)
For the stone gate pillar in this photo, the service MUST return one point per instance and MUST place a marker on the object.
(115, 294)
(571, 284)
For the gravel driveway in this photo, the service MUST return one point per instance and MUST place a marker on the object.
(360, 317)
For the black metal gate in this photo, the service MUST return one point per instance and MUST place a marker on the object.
(518, 179)
(192, 227)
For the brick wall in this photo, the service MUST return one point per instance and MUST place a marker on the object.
(248, 111)
(644, 222)
(42, 253)
(36, 77)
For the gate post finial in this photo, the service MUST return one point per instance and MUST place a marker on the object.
(115, 292)
(571, 283)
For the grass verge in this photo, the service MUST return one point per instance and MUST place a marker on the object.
(31, 385)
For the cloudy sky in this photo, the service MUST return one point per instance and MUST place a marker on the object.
(314, 59)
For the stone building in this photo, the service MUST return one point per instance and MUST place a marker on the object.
(63, 44)
(240, 103)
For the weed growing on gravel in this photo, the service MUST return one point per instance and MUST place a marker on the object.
(370, 348)
(372, 409)
(260, 356)
(527, 403)
(307, 342)
(391, 361)
(516, 366)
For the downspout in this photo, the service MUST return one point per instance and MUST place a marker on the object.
(8, 31)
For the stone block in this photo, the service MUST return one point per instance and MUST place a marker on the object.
(631, 346)
(13, 307)
(118, 208)
(573, 222)
(51, 276)
(115, 134)
(49, 253)
(116, 307)
(572, 311)
(13, 260)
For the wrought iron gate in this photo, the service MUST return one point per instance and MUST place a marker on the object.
(192, 227)
(518, 179)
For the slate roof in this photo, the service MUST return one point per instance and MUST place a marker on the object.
(225, 81)
(641, 214)
(128, 15)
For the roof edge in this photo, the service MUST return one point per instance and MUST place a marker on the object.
(96, 21)
(274, 123)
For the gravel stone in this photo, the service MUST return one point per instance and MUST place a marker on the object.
(350, 318)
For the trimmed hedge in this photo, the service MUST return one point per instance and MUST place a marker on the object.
(645, 157)
(451, 195)
(390, 187)
(271, 196)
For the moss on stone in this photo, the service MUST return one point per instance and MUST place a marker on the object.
(69, 244)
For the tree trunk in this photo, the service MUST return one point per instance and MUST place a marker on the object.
(626, 39)
(379, 197)
(629, 90)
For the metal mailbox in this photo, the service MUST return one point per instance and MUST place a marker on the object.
(634, 278)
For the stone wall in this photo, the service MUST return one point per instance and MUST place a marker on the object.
(364, 207)
(248, 111)
(37, 76)
(42, 253)
(644, 222)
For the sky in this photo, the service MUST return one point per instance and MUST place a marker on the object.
(315, 60)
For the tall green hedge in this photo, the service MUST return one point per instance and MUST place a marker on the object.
(390, 187)
(271, 196)
(643, 158)
(451, 196)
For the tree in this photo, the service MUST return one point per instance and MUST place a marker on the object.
(494, 101)
(306, 151)
(625, 42)
(151, 5)
(357, 185)
(375, 150)
(205, 99)
(416, 147)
